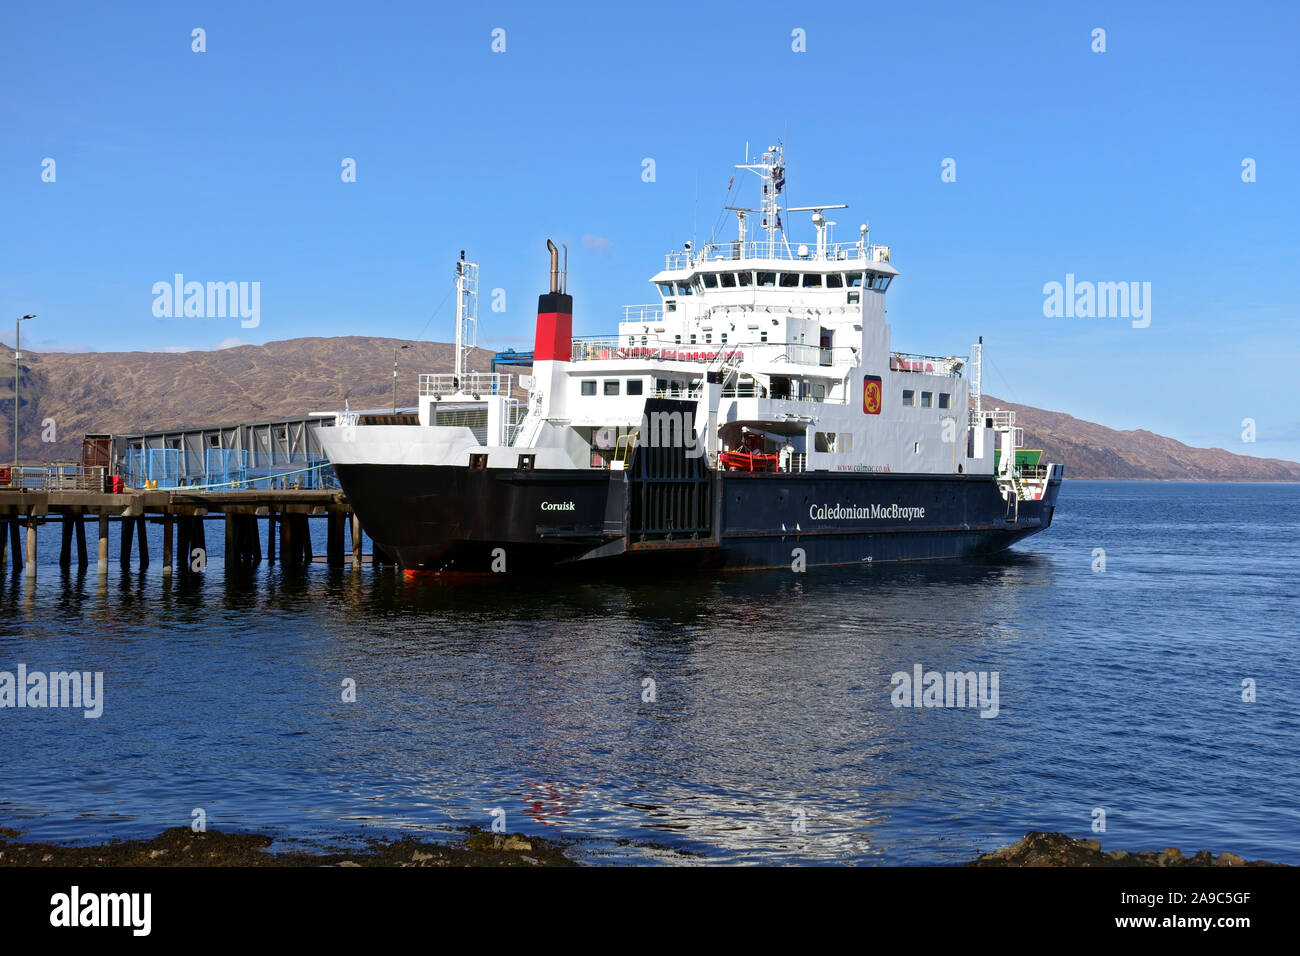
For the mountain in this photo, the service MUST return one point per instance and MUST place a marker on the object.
(134, 391)
(1089, 450)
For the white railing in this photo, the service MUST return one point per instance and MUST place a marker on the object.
(605, 348)
(653, 312)
(992, 418)
(927, 364)
(764, 249)
(471, 383)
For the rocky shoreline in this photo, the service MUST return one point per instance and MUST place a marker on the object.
(183, 847)
(1057, 849)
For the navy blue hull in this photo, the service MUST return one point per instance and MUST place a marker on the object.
(458, 519)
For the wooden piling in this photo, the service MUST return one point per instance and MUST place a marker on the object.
(232, 557)
(287, 555)
(124, 542)
(334, 539)
(142, 539)
(102, 547)
(4, 543)
(30, 568)
(168, 556)
(79, 529)
(65, 542)
(356, 541)
(15, 544)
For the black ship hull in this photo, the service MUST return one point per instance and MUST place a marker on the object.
(454, 519)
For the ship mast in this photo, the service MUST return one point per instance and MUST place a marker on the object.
(466, 314)
(770, 168)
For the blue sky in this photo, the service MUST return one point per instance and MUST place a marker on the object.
(1117, 166)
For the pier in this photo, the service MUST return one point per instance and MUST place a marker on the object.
(278, 517)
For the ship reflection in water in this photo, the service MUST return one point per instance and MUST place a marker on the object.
(731, 718)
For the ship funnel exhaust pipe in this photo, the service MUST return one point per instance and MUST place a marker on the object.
(555, 266)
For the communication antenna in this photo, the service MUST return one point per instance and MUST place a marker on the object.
(466, 313)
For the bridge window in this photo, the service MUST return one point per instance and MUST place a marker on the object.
(710, 280)
(684, 288)
(881, 283)
(909, 397)
(812, 280)
(853, 279)
(589, 386)
(745, 278)
(789, 280)
(611, 386)
(835, 281)
(945, 400)
(665, 288)
(728, 280)
(927, 399)
(766, 280)
(634, 386)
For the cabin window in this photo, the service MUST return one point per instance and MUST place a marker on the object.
(824, 442)
(724, 338)
(693, 338)
(710, 280)
(789, 280)
(819, 392)
(909, 397)
(766, 279)
(762, 336)
(916, 448)
(634, 386)
(835, 281)
(927, 399)
(728, 280)
(745, 278)
(661, 386)
(708, 338)
(670, 306)
(853, 279)
(631, 341)
(854, 297)
(945, 400)
(812, 280)
(684, 288)
(611, 386)
(677, 340)
(675, 388)
(589, 386)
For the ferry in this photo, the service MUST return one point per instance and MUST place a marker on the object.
(755, 416)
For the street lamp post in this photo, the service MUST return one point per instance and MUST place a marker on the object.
(400, 348)
(18, 354)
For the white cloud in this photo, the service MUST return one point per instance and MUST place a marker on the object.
(597, 244)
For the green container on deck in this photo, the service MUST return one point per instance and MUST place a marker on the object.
(1025, 458)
